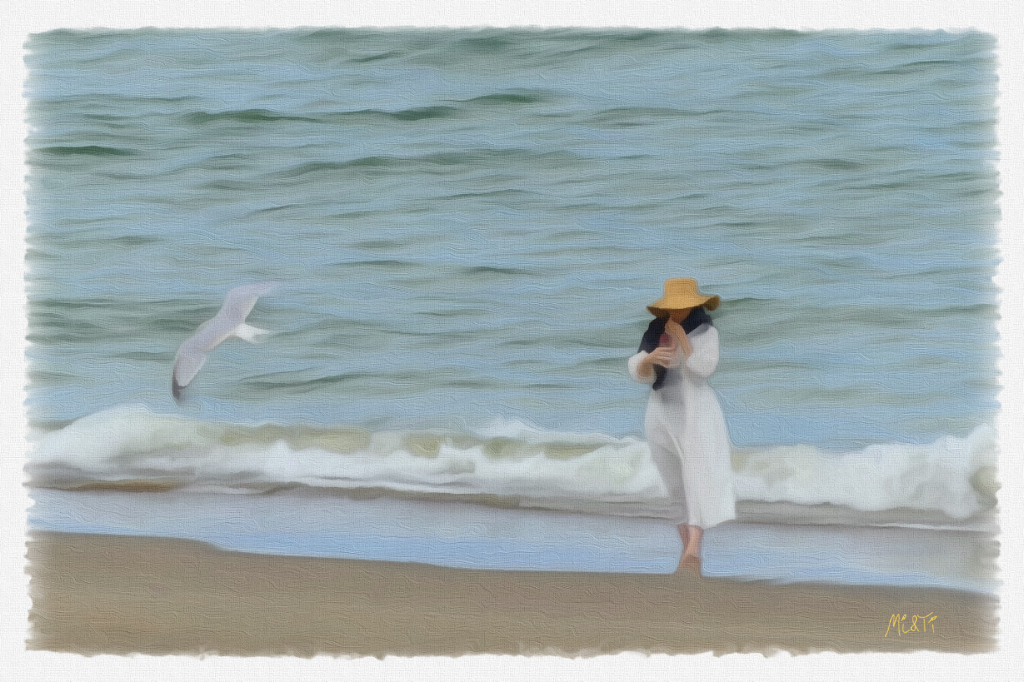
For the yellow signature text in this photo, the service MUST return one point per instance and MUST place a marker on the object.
(903, 624)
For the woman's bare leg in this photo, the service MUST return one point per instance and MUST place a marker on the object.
(694, 535)
(690, 560)
(684, 533)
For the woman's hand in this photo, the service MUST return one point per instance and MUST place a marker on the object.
(675, 330)
(665, 356)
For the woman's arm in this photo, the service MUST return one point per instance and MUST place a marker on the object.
(675, 330)
(704, 358)
(640, 368)
(641, 365)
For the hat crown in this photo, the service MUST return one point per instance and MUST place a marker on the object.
(681, 286)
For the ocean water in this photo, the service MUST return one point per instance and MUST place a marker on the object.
(466, 226)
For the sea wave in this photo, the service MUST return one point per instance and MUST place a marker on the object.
(132, 447)
(956, 476)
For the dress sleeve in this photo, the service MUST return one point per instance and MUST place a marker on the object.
(704, 358)
(634, 365)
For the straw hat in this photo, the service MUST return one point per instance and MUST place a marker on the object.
(682, 293)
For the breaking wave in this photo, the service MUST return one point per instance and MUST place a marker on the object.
(131, 447)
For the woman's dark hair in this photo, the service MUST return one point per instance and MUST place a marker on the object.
(652, 337)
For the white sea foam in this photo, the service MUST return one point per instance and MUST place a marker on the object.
(952, 475)
(132, 445)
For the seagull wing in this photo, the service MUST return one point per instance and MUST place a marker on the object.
(240, 301)
(187, 364)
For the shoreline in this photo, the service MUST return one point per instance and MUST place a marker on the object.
(747, 511)
(96, 594)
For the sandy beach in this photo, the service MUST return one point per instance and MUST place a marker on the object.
(97, 594)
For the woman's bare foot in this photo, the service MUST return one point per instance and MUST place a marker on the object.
(689, 562)
(691, 548)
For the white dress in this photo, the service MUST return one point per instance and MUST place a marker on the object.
(687, 435)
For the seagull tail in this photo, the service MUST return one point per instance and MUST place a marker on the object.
(249, 333)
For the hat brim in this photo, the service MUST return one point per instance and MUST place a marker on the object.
(664, 307)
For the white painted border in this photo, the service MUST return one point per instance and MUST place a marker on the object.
(1003, 18)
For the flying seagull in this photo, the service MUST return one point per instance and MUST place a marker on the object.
(229, 322)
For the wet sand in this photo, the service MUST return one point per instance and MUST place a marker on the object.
(111, 594)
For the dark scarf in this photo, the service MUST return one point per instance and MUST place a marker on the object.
(652, 336)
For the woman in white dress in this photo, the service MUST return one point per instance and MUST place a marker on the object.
(686, 430)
